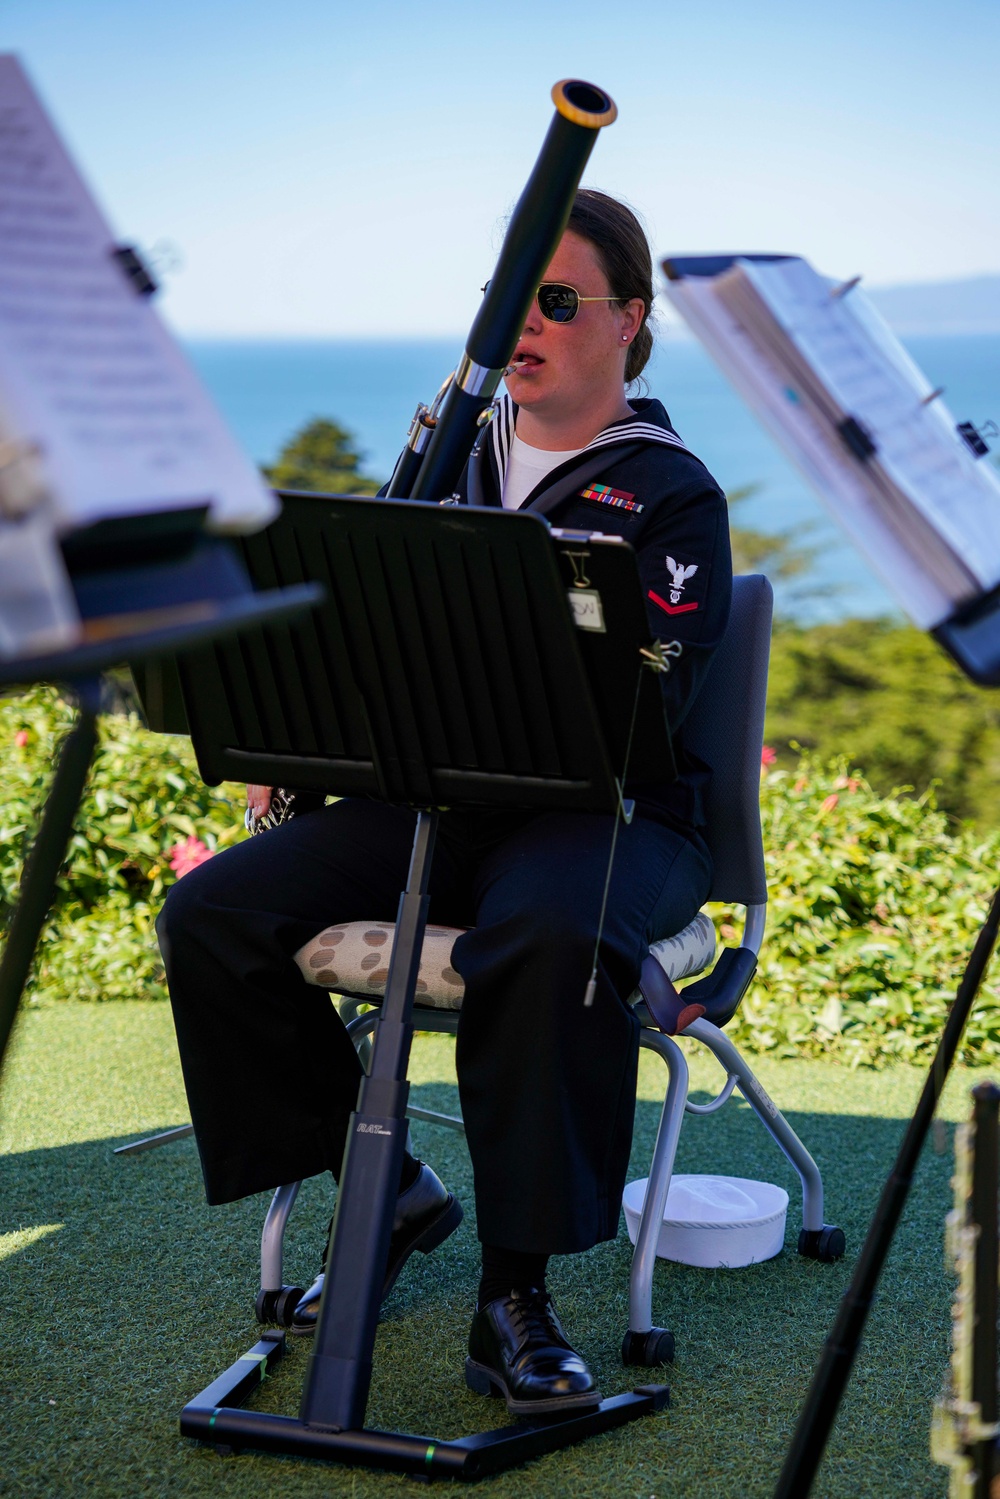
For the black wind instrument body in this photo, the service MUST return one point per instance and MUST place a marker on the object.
(442, 435)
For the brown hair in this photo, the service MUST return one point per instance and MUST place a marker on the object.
(623, 250)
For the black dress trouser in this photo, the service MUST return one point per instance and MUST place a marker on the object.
(547, 1087)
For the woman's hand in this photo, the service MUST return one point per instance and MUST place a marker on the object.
(259, 800)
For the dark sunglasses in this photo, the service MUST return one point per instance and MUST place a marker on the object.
(559, 303)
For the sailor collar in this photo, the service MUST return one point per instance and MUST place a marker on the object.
(626, 429)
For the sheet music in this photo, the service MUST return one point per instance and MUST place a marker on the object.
(918, 446)
(922, 508)
(828, 467)
(91, 383)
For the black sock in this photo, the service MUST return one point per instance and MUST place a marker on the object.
(506, 1270)
(408, 1175)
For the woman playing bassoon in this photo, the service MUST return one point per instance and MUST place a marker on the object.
(547, 1087)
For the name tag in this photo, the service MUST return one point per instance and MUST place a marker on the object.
(586, 606)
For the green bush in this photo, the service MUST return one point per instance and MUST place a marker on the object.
(144, 799)
(874, 901)
(873, 907)
(887, 695)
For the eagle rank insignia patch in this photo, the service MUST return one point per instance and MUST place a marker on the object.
(678, 578)
(604, 495)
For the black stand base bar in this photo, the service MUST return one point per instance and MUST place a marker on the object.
(214, 1417)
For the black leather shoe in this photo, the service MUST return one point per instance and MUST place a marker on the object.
(517, 1349)
(426, 1213)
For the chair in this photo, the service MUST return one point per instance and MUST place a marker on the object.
(725, 728)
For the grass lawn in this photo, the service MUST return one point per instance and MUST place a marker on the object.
(122, 1294)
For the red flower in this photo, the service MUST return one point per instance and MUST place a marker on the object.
(21, 738)
(829, 803)
(188, 855)
(767, 756)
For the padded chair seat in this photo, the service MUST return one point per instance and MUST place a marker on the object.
(353, 958)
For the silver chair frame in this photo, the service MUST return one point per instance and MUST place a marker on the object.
(676, 1103)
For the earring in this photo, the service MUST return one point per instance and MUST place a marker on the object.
(624, 338)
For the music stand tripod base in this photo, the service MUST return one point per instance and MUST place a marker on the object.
(215, 1417)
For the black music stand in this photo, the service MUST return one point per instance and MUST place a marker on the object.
(444, 668)
(146, 586)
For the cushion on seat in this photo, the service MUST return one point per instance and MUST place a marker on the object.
(353, 958)
(691, 951)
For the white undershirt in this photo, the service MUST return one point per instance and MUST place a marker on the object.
(526, 468)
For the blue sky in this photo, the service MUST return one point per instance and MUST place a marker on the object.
(338, 168)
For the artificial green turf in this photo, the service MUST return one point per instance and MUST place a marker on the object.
(122, 1294)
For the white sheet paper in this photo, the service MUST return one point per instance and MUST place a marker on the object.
(844, 339)
(89, 377)
(923, 511)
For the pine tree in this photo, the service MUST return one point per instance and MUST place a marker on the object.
(321, 457)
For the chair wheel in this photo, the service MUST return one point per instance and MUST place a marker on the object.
(284, 1308)
(278, 1306)
(649, 1349)
(825, 1244)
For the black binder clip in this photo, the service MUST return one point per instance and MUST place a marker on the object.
(856, 438)
(975, 437)
(135, 269)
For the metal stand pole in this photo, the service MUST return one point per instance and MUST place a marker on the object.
(340, 1366)
(41, 870)
(834, 1369)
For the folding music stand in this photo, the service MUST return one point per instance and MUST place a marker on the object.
(444, 669)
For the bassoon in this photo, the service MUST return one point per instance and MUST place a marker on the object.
(442, 435)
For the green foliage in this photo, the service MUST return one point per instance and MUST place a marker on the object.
(144, 797)
(873, 907)
(321, 457)
(888, 696)
(785, 556)
(874, 901)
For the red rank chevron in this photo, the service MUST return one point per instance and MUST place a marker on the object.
(672, 608)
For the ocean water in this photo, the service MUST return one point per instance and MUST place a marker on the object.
(268, 389)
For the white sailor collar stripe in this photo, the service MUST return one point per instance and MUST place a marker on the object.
(502, 433)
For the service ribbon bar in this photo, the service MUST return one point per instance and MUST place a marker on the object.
(607, 496)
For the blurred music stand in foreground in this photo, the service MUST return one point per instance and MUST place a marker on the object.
(118, 477)
(829, 380)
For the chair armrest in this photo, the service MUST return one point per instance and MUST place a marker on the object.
(669, 1008)
(722, 990)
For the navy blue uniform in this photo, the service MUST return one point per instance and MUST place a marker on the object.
(636, 479)
(547, 1086)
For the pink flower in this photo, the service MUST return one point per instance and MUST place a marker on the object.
(767, 757)
(188, 855)
(829, 803)
(21, 738)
